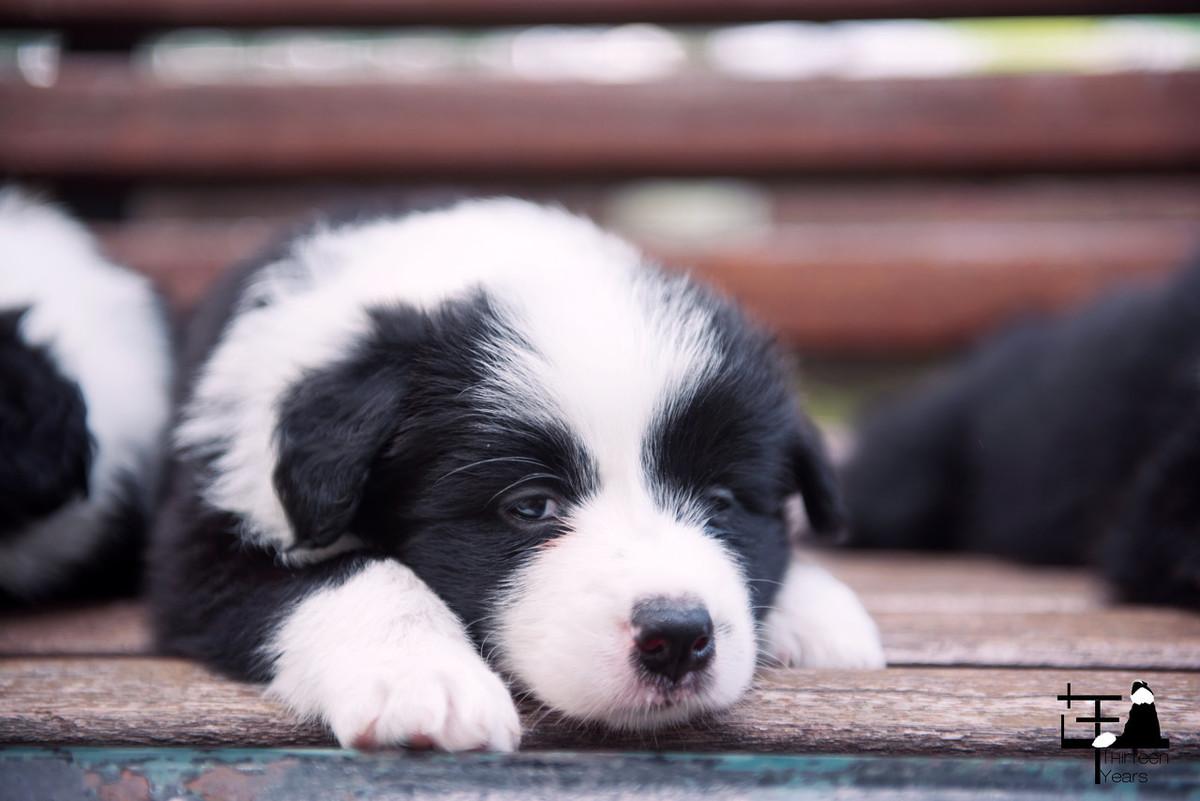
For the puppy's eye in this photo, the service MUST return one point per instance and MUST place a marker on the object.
(533, 509)
(720, 499)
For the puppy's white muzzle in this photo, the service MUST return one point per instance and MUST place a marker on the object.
(635, 626)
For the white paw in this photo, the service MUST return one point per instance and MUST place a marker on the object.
(453, 704)
(383, 662)
(818, 622)
(419, 698)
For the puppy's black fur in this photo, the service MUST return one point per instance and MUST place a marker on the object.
(1060, 441)
(45, 448)
(46, 452)
(386, 442)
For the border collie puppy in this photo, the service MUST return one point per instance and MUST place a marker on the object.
(1060, 441)
(418, 454)
(84, 401)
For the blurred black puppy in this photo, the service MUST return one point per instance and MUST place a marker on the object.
(1058, 442)
(84, 373)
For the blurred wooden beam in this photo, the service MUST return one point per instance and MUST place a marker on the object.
(234, 13)
(103, 118)
(648, 204)
(892, 288)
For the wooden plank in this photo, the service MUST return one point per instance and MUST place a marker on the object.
(926, 583)
(114, 627)
(1135, 638)
(891, 289)
(834, 288)
(102, 117)
(897, 711)
(38, 774)
(931, 611)
(645, 204)
(227, 13)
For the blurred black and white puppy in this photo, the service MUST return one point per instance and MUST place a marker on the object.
(421, 453)
(1061, 441)
(84, 400)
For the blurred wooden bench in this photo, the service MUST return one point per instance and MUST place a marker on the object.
(903, 215)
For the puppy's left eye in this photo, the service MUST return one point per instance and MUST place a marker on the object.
(533, 508)
(720, 499)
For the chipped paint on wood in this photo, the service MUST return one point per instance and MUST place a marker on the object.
(33, 774)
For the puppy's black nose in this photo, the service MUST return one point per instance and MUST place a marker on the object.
(672, 637)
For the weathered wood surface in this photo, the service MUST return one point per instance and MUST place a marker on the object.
(931, 611)
(960, 610)
(38, 774)
(830, 287)
(102, 117)
(139, 701)
(142, 13)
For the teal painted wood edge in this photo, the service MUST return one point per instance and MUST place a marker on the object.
(45, 774)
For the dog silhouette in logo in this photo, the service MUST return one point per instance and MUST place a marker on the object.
(1141, 728)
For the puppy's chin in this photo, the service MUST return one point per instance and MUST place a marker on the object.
(646, 704)
(570, 631)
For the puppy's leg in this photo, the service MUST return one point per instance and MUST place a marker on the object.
(818, 622)
(383, 661)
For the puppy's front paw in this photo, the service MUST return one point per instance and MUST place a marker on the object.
(818, 622)
(454, 704)
(418, 698)
(383, 662)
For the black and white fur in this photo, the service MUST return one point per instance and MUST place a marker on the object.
(419, 454)
(84, 400)
(1061, 441)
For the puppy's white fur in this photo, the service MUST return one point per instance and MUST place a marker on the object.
(382, 661)
(602, 356)
(102, 326)
(380, 658)
(565, 625)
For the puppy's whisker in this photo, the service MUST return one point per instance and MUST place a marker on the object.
(494, 459)
(522, 480)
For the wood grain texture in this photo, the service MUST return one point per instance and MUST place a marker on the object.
(897, 711)
(826, 287)
(102, 117)
(397, 12)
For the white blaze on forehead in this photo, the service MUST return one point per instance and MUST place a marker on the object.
(609, 342)
(1142, 696)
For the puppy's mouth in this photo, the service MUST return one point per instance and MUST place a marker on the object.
(653, 693)
(650, 700)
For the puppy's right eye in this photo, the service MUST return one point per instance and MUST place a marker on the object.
(533, 509)
(720, 499)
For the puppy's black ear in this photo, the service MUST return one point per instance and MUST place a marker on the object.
(335, 422)
(45, 446)
(815, 477)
